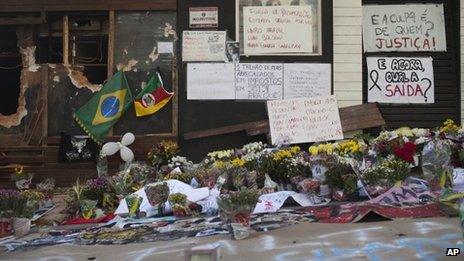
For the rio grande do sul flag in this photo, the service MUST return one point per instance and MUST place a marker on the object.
(152, 98)
(104, 109)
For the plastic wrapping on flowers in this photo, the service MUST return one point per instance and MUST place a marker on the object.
(436, 157)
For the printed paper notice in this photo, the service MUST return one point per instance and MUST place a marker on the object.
(277, 29)
(259, 81)
(307, 80)
(203, 46)
(210, 81)
(304, 120)
(400, 80)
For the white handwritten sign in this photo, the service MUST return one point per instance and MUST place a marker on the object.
(404, 28)
(400, 80)
(258, 81)
(304, 120)
(277, 29)
(307, 80)
(210, 81)
(199, 46)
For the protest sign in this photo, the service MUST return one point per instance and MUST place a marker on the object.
(400, 80)
(203, 46)
(404, 28)
(210, 81)
(304, 120)
(258, 81)
(277, 29)
(303, 80)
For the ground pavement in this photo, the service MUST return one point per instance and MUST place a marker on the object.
(407, 239)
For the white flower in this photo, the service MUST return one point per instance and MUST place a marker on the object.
(419, 132)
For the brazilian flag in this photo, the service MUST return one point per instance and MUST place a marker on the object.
(102, 111)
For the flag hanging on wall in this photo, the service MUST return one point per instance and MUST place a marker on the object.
(102, 111)
(152, 98)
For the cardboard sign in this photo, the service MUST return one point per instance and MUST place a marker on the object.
(277, 29)
(304, 120)
(203, 17)
(400, 80)
(258, 81)
(210, 81)
(307, 80)
(203, 46)
(404, 28)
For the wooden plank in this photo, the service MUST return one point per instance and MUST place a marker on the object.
(21, 159)
(21, 20)
(32, 128)
(86, 5)
(353, 118)
(65, 40)
(175, 100)
(110, 43)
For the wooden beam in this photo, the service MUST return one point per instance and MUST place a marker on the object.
(175, 100)
(110, 43)
(65, 40)
(353, 118)
(21, 20)
(86, 5)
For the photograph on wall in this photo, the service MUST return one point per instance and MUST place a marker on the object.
(279, 27)
(232, 52)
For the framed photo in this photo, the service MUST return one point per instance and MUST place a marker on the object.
(267, 11)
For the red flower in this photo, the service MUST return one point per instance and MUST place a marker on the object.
(406, 152)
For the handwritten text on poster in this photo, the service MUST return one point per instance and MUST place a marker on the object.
(277, 29)
(304, 120)
(307, 80)
(400, 80)
(404, 28)
(258, 81)
(202, 46)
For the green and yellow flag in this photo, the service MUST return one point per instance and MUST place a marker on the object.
(102, 111)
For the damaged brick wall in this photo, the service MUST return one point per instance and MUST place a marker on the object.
(13, 127)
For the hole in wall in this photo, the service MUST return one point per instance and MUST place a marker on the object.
(10, 70)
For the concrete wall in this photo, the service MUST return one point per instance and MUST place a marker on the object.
(348, 51)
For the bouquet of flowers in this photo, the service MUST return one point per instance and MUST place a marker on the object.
(236, 206)
(342, 179)
(180, 162)
(13, 204)
(162, 152)
(21, 178)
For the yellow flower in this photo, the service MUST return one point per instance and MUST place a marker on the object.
(404, 131)
(282, 154)
(449, 126)
(237, 162)
(219, 164)
(295, 150)
(313, 150)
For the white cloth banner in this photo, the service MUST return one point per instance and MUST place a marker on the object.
(175, 186)
(272, 202)
(400, 80)
(404, 28)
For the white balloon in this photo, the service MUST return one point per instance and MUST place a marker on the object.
(110, 148)
(126, 154)
(127, 139)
